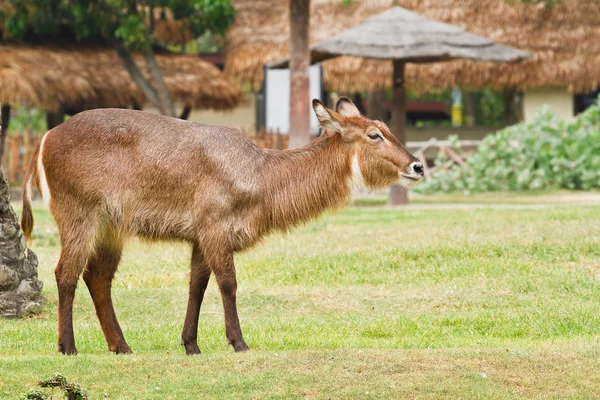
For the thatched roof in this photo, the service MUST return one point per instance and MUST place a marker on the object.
(563, 39)
(399, 34)
(77, 76)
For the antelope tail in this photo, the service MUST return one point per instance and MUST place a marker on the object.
(27, 216)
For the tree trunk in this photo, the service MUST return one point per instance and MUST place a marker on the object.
(20, 289)
(299, 72)
(398, 194)
(156, 91)
(162, 91)
(5, 111)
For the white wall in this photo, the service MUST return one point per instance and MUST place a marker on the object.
(241, 117)
(557, 98)
(278, 98)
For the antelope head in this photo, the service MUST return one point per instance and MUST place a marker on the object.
(377, 158)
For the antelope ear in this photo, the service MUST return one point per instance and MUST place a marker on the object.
(328, 119)
(346, 107)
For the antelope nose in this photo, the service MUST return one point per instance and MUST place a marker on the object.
(416, 168)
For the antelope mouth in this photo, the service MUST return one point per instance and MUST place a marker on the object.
(412, 177)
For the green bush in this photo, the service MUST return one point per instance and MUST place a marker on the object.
(546, 153)
(70, 391)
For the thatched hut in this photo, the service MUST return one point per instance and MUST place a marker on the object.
(68, 75)
(563, 39)
(56, 72)
(61, 77)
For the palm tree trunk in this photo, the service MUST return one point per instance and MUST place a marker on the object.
(20, 289)
(299, 134)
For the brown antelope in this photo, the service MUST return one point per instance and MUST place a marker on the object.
(112, 173)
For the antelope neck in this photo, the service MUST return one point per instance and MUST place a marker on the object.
(300, 184)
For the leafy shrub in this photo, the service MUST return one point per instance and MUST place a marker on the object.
(70, 391)
(546, 153)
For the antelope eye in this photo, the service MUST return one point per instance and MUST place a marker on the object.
(374, 136)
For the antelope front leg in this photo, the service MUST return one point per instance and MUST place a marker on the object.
(225, 273)
(199, 276)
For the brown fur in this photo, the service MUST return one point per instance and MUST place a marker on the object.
(117, 173)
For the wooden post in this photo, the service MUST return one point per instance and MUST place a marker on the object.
(510, 106)
(55, 119)
(299, 73)
(376, 105)
(398, 195)
(5, 110)
(357, 100)
(14, 160)
(470, 108)
(520, 97)
(29, 144)
(185, 114)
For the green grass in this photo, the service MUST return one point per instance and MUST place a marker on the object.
(484, 302)
(525, 198)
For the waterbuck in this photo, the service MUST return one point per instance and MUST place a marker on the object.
(108, 174)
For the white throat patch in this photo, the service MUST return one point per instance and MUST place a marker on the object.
(357, 183)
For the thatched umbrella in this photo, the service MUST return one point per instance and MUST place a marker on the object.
(403, 36)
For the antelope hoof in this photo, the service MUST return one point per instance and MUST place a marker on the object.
(67, 349)
(192, 350)
(191, 346)
(121, 348)
(240, 347)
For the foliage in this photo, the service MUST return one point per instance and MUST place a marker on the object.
(547, 3)
(489, 108)
(546, 153)
(35, 394)
(71, 391)
(489, 105)
(120, 21)
(25, 118)
(208, 43)
(127, 25)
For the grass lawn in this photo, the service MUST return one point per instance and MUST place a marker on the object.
(483, 302)
(491, 198)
